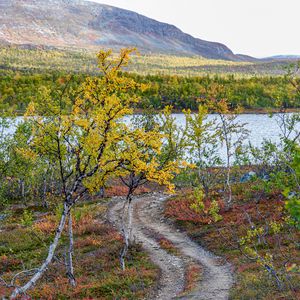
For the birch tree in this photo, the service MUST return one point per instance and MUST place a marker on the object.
(143, 147)
(203, 146)
(232, 134)
(84, 141)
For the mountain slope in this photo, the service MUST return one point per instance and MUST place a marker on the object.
(83, 24)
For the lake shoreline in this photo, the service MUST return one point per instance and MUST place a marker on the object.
(259, 111)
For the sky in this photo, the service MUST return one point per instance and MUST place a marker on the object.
(258, 28)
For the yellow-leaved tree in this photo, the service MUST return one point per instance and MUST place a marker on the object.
(85, 142)
(142, 150)
(154, 150)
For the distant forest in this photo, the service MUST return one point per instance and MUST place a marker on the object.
(27, 73)
(19, 88)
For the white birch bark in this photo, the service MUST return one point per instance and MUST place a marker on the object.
(127, 233)
(70, 268)
(41, 270)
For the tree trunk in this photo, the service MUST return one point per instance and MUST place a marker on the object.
(124, 251)
(229, 199)
(70, 269)
(101, 192)
(22, 186)
(127, 233)
(45, 203)
(21, 290)
(51, 183)
(228, 184)
(130, 221)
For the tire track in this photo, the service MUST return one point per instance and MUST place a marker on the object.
(216, 279)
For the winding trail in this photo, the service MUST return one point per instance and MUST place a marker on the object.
(148, 221)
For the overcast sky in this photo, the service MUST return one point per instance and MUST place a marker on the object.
(255, 27)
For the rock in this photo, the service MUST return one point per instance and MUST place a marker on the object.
(291, 195)
(248, 176)
(266, 177)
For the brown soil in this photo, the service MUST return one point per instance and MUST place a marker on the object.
(216, 278)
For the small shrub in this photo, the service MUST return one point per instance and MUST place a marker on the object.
(168, 246)
(46, 226)
(27, 218)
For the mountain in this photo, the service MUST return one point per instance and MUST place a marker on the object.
(283, 57)
(83, 24)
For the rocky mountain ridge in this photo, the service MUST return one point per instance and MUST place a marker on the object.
(84, 24)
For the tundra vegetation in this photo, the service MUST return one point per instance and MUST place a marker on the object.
(84, 61)
(245, 209)
(72, 151)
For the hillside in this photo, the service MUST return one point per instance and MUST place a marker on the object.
(88, 25)
(41, 59)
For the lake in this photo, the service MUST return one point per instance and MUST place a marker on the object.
(260, 127)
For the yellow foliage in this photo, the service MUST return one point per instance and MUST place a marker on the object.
(91, 141)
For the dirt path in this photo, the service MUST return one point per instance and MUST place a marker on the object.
(216, 279)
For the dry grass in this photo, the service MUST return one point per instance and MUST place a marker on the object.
(223, 238)
(96, 260)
